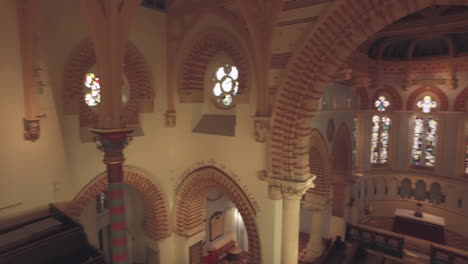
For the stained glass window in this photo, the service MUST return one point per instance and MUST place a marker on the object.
(380, 139)
(381, 104)
(355, 123)
(466, 158)
(92, 89)
(424, 141)
(426, 104)
(226, 85)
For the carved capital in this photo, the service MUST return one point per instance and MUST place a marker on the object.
(170, 119)
(281, 188)
(32, 129)
(262, 129)
(112, 142)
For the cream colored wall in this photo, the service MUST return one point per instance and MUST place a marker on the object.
(164, 153)
(28, 169)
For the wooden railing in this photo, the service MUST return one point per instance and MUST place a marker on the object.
(394, 244)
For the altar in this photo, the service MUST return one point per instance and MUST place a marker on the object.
(428, 227)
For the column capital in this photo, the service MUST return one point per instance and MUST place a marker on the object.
(290, 189)
(112, 142)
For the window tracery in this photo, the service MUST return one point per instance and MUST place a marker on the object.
(380, 134)
(425, 141)
(226, 85)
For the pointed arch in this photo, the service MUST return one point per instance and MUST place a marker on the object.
(394, 97)
(155, 205)
(190, 203)
(196, 63)
(442, 98)
(341, 167)
(82, 58)
(461, 104)
(323, 49)
(319, 163)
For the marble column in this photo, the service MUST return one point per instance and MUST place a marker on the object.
(315, 244)
(290, 228)
(291, 191)
(112, 142)
(316, 204)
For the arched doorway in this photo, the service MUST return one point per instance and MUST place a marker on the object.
(148, 215)
(190, 205)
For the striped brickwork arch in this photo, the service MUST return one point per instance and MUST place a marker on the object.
(190, 205)
(201, 54)
(319, 165)
(81, 59)
(322, 50)
(156, 222)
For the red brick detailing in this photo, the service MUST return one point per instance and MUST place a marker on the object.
(442, 98)
(363, 98)
(391, 95)
(156, 222)
(137, 71)
(190, 205)
(201, 54)
(325, 48)
(460, 101)
(341, 159)
(319, 165)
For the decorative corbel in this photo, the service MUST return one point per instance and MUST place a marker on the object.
(262, 129)
(170, 118)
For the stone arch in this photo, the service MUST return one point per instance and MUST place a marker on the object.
(196, 63)
(156, 209)
(461, 101)
(341, 166)
(341, 158)
(190, 203)
(82, 58)
(319, 164)
(442, 98)
(322, 50)
(395, 98)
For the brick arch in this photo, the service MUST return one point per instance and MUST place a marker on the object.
(341, 157)
(441, 97)
(341, 166)
(156, 209)
(460, 101)
(319, 164)
(363, 98)
(395, 98)
(321, 51)
(82, 58)
(200, 54)
(190, 205)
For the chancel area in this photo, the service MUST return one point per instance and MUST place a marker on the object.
(234, 132)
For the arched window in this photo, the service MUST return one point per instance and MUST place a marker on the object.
(380, 134)
(226, 85)
(466, 157)
(425, 133)
(92, 86)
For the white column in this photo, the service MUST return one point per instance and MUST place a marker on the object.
(315, 244)
(290, 228)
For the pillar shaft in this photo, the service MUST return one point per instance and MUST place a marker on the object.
(315, 244)
(112, 142)
(290, 229)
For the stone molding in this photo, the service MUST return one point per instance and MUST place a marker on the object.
(280, 188)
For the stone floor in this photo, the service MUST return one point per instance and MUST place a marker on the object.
(453, 239)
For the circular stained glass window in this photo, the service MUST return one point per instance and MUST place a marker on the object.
(226, 85)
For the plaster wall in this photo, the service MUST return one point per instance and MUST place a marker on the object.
(164, 153)
(29, 170)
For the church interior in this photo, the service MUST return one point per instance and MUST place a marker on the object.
(230, 131)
